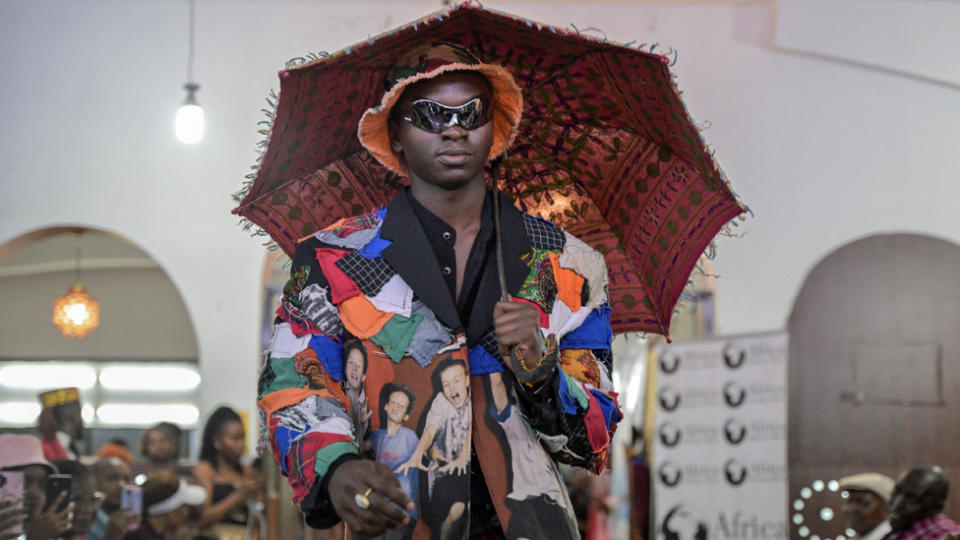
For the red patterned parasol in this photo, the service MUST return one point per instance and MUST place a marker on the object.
(606, 150)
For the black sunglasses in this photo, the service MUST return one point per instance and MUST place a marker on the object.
(433, 116)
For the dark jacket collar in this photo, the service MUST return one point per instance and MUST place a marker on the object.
(411, 256)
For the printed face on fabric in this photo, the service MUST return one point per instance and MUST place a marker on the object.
(454, 381)
(397, 406)
(455, 156)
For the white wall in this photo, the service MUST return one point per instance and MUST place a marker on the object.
(823, 152)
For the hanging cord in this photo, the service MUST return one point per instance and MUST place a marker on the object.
(190, 3)
(77, 246)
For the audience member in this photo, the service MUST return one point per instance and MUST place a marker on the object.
(116, 448)
(865, 507)
(60, 423)
(40, 521)
(83, 495)
(166, 508)
(916, 503)
(228, 483)
(111, 522)
(160, 445)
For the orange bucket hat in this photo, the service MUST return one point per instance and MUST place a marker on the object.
(428, 62)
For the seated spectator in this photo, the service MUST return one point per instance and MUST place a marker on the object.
(229, 484)
(916, 506)
(24, 453)
(865, 508)
(166, 508)
(111, 522)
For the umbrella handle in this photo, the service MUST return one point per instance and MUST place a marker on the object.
(517, 363)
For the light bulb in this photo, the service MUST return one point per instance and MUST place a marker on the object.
(190, 120)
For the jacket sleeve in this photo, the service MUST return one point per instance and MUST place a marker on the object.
(304, 411)
(574, 410)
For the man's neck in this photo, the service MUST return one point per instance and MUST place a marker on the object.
(460, 208)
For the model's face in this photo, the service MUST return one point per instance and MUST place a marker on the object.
(85, 504)
(111, 481)
(397, 407)
(454, 157)
(454, 381)
(354, 368)
(160, 447)
(232, 441)
(863, 511)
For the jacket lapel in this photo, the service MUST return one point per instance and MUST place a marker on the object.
(410, 255)
(515, 245)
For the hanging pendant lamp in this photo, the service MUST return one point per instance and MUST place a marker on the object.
(76, 313)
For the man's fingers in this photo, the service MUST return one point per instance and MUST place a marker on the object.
(387, 485)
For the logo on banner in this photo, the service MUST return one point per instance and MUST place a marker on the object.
(670, 435)
(669, 363)
(734, 472)
(734, 355)
(678, 524)
(669, 398)
(669, 474)
(734, 431)
(734, 394)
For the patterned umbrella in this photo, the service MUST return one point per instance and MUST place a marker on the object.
(606, 150)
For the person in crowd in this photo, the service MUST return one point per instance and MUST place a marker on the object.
(865, 507)
(445, 117)
(167, 503)
(83, 494)
(230, 486)
(111, 522)
(60, 423)
(116, 448)
(160, 445)
(916, 505)
(39, 520)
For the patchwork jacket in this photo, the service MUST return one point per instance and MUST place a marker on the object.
(368, 290)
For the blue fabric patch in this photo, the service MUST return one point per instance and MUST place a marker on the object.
(330, 353)
(568, 402)
(286, 437)
(593, 333)
(374, 247)
(609, 408)
(482, 362)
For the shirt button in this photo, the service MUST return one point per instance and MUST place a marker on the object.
(447, 270)
(446, 235)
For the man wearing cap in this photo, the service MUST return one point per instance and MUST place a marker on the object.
(916, 505)
(865, 506)
(42, 521)
(61, 423)
(417, 282)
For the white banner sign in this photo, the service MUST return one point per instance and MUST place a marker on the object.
(720, 452)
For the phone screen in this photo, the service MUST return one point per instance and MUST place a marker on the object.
(57, 484)
(11, 489)
(132, 499)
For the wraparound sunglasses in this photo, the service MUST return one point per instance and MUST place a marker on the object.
(435, 117)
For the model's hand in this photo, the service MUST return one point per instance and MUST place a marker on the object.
(517, 326)
(387, 499)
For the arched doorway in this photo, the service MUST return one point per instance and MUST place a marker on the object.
(874, 371)
(139, 366)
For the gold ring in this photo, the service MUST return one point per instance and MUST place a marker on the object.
(362, 500)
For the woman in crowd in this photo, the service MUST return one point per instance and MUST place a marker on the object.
(23, 453)
(167, 503)
(161, 446)
(231, 486)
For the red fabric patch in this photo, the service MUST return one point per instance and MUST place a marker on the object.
(341, 287)
(596, 427)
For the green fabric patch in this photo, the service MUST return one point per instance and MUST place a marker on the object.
(576, 391)
(329, 453)
(536, 259)
(284, 376)
(396, 334)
